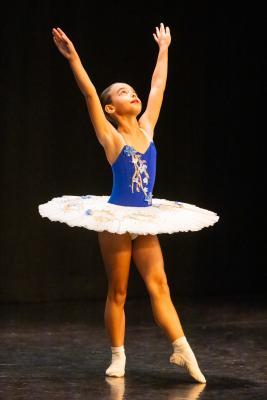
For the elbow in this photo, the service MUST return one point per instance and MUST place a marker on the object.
(158, 86)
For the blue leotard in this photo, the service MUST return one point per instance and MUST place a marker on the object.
(134, 176)
(129, 208)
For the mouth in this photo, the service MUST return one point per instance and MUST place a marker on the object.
(135, 101)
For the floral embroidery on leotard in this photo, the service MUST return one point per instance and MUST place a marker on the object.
(139, 182)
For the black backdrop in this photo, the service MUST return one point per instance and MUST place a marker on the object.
(210, 145)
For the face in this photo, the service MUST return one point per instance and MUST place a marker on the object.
(124, 100)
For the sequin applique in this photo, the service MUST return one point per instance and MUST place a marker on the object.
(139, 182)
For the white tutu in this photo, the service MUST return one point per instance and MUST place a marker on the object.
(95, 213)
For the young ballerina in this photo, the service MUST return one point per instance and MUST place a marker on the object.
(128, 221)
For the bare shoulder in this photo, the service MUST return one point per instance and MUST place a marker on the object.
(111, 137)
(112, 142)
(146, 125)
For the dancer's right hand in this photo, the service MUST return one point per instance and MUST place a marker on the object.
(64, 44)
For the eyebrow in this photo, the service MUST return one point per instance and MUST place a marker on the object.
(124, 87)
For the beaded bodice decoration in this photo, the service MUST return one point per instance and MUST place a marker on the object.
(134, 176)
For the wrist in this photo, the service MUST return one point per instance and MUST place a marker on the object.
(74, 58)
(163, 48)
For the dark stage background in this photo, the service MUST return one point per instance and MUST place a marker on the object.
(208, 137)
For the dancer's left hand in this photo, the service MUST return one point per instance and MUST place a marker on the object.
(162, 36)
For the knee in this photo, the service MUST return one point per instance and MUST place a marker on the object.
(117, 295)
(158, 286)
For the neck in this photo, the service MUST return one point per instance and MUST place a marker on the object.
(128, 125)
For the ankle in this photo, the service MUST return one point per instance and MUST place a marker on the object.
(179, 340)
(180, 343)
(117, 349)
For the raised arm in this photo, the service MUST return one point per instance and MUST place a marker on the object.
(158, 83)
(102, 126)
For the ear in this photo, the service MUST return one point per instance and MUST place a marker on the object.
(109, 108)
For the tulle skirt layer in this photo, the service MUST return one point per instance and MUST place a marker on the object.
(95, 213)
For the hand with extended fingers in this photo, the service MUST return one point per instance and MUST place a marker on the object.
(64, 44)
(162, 36)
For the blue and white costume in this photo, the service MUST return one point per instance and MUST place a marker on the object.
(131, 206)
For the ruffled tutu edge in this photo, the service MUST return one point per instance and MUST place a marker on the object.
(93, 212)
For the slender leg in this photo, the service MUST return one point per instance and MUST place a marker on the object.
(116, 253)
(148, 258)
